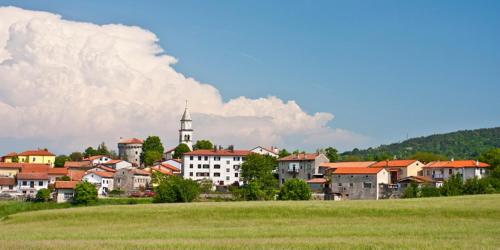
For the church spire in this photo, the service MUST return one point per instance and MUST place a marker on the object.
(186, 131)
(186, 116)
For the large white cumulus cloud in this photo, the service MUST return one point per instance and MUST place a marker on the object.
(74, 84)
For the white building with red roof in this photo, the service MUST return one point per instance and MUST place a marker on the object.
(222, 166)
(442, 170)
(272, 151)
(103, 180)
(98, 159)
(118, 164)
(65, 190)
(29, 183)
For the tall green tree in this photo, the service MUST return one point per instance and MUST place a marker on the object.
(152, 144)
(295, 189)
(175, 189)
(491, 157)
(203, 144)
(85, 193)
(181, 150)
(90, 151)
(60, 160)
(102, 149)
(76, 156)
(257, 176)
(283, 153)
(332, 154)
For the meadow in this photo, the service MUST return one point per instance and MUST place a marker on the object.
(465, 222)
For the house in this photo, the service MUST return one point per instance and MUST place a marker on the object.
(273, 151)
(174, 162)
(317, 185)
(76, 175)
(102, 180)
(97, 159)
(326, 166)
(442, 170)
(400, 168)
(129, 180)
(37, 156)
(158, 168)
(173, 169)
(64, 190)
(169, 154)
(118, 164)
(78, 165)
(358, 183)
(222, 166)
(130, 150)
(9, 158)
(302, 166)
(9, 169)
(420, 181)
(55, 173)
(29, 183)
(8, 185)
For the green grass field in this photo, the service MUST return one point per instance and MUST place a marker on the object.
(466, 222)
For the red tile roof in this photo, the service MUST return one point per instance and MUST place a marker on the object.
(36, 153)
(394, 163)
(223, 152)
(140, 172)
(77, 164)
(108, 169)
(457, 164)
(173, 168)
(12, 165)
(11, 154)
(300, 157)
(419, 179)
(58, 171)
(131, 141)
(65, 184)
(6, 181)
(369, 170)
(348, 164)
(35, 168)
(76, 175)
(161, 170)
(32, 176)
(317, 181)
(112, 162)
(95, 157)
(102, 174)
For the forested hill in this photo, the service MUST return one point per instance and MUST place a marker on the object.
(464, 144)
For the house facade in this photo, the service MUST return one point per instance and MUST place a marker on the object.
(102, 180)
(358, 183)
(8, 185)
(29, 183)
(301, 166)
(130, 180)
(399, 169)
(443, 170)
(222, 166)
(273, 151)
(97, 159)
(64, 190)
(118, 164)
(37, 157)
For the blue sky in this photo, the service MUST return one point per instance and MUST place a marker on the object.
(385, 69)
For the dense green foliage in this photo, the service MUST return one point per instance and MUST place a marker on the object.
(60, 160)
(76, 156)
(332, 154)
(63, 178)
(152, 150)
(175, 189)
(102, 149)
(295, 189)
(203, 144)
(259, 183)
(283, 153)
(427, 157)
(181, 150)
(90, 151)
(466, 144)
(85, 193)
(43, 195)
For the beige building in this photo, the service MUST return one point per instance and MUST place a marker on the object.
(64, 190)
(399, 169)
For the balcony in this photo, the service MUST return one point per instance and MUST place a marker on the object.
(293, 170)
(437, 176)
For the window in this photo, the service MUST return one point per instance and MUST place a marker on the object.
(340, 184)
(68, 196)
(191, 157)
(206, 166)
(236, 167)
(199, 165)
(227, 178)
(190, 173)
(235, 174)
(25, 183)
(227, 170)
(199, 158)
(450, 171)
(243, 158)
(367, 185)
(216, 174)
(11, 187)
(34, 159)
(190, 165)
(228, 162)
(236, 158)
(216, 158)
(351, 184)
(282, 180)
(217, 166)
(136, 152)
(308, 176)
(206, 158)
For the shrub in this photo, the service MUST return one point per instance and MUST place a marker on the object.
(295, 189)
(453, 186)
(43, 195)
(85, 193)
(478, 186)
(429, 191)
(411, 191)
(176, 189)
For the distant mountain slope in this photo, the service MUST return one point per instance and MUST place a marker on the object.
(464, 144)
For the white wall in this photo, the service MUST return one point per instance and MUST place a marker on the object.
(229, 170)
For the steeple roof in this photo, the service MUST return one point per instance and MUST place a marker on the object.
(186, 116)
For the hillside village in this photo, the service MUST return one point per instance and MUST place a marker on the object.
(23, 175)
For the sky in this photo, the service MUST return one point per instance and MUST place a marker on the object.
(333, 73)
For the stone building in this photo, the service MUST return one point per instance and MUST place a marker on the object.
(130, 180)
(301, 166)
(130, 150)
(358, 183)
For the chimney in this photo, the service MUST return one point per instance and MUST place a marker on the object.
(477, 163)
(452, 159)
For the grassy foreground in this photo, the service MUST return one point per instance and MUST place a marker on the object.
(466, 222)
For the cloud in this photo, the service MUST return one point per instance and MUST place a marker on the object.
(73, 84)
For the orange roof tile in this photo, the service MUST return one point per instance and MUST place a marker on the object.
(394, 163)
(58, 171)
(161, 170)
(102, 174)
(131, 141)
(108, 169)
(317, 181)
(76, 175)
(369, 170)
(77, 164)
(300, 157)
(65, 184)
(111, 162)
(32, 176)
(36, 153)
(173, 168)
(223, 152)
(7, 181)
(19, 165)
(35, 168)
(349, 164)
(457, 164)
(95, 157)
(140, 172)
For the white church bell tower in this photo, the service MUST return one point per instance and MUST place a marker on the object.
(186, 131)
